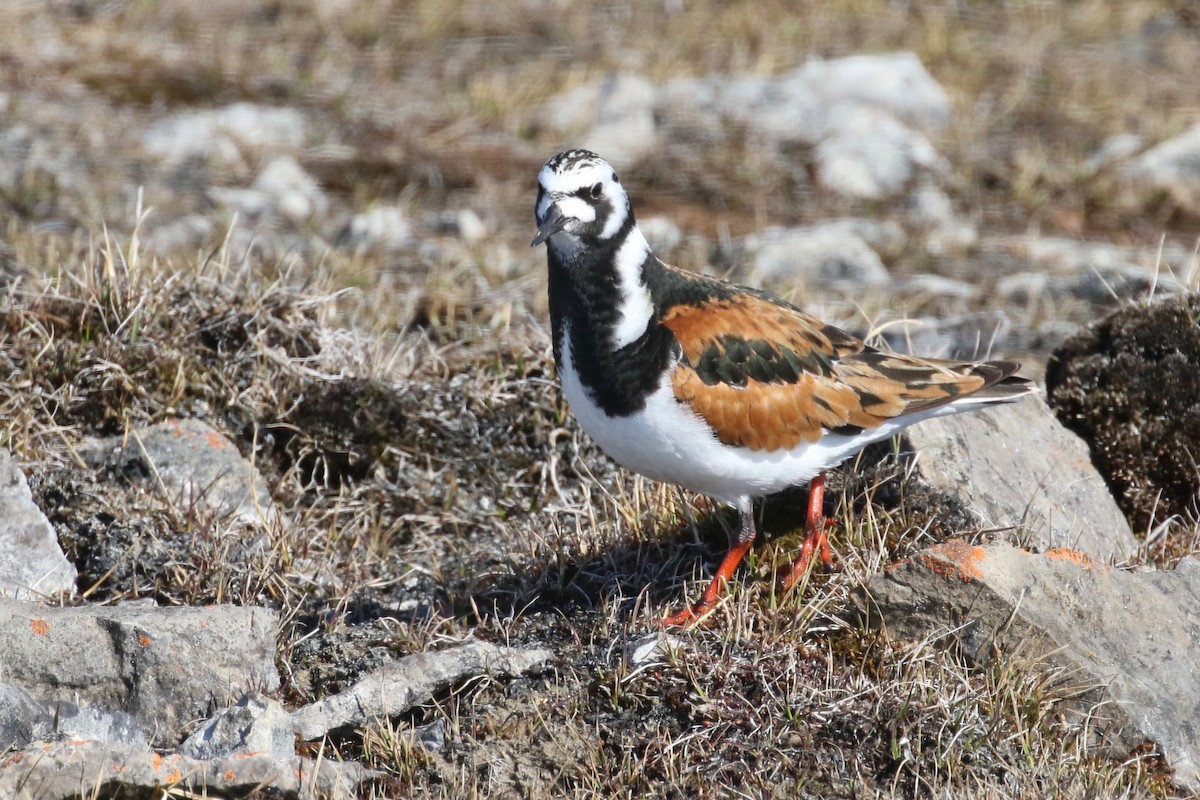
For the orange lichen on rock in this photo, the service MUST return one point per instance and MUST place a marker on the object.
(40, 626)
(144, 640)
(954, 559)
(1067, 554)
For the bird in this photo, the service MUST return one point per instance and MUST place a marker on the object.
(722, 389)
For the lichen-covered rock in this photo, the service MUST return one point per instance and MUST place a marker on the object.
(1130, 386)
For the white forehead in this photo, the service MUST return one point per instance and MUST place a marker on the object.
(574, 177)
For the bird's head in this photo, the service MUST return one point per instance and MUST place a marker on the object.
(580, 202)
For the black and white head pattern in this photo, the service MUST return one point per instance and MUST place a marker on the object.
(580, 201)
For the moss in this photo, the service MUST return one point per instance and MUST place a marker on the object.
(1130, 386)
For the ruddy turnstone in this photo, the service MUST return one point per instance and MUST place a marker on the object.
(721, 389)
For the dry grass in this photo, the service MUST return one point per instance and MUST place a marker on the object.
(410, 427)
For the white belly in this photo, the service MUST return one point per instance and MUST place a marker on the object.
(668, 442)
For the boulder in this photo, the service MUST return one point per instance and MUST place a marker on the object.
(1015, 468)
(1120, 649)
(32, 564)
(162, 666)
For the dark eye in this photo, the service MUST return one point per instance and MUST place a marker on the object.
(596, 191)
(615, 178)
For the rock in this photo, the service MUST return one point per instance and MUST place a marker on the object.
(257, 724)
(397, 687)
(967, 336)
(1096, 272)
(73, 768)
(32, 564)
(616, 113)
(101, 724)
(1128, 385)
(662, 234)
(651, 648)
(1173, 168)
(188, 461)
(385, 227)
(894, 82)
(826, 253)
(1085, 626)
(1114, 149)
(163, 666)
(282, 190)
(464, 224)
(1016, 466)
(22, 718)
(226, 135)
(869, 154)
(928, 286)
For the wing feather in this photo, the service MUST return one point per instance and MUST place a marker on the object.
(767, 376)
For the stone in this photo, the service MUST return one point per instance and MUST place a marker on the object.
(23, 719)
(32, 565)
(1095, 272)
(1015, 467)
(256, 724)
(383, 227)
(613, 117)
(163, 666)
(102, 724)
(225, 135)
(1112, 150)
(662, 234)
(397, 687)
(74, 768)
(966, 336)
(1089, 628)
(829, 253)
(869, 154)
(188, 461)
(1173, 168)
(282, 190)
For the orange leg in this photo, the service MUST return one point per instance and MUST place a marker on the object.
(814, 533)
(744, 538)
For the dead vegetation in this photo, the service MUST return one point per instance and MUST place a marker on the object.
(434, 483)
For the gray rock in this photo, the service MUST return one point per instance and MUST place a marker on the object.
(257, 724)
(225, 135)
(23, 719)
(869, 154)
(1089, 628)
(384, 227)
(283, 190)
(463, 224)
(188, 461)
(1016, 467)
(1112, 150)
(73, 768)
(895, 82)
(397, 687)
(613, 117)
(927, 286)
(163, 666)
(967, 336)
(662, 234)
(1172, 167)
(32, 564)
(101, 724)
(1096, 272)
(825, 253)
